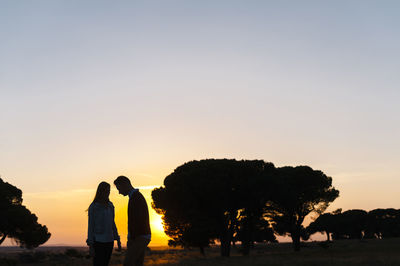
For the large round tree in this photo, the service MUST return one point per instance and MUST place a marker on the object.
(16, 221)
(203, 201)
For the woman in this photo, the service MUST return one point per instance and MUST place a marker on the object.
(101, 227)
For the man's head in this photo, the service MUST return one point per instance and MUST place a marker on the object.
(123, 185)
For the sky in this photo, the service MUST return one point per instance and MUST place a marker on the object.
(90, 90)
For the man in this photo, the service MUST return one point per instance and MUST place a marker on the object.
(139, 233)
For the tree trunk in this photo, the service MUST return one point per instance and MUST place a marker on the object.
(225, 247)
(3, 238)
(296, 241)
(248, 232)
(202, 251)
(246, 238)
(245, 245)
(328, 236)
(226, 239)
(227, 229)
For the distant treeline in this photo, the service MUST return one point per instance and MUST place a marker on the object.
(358, 224)
(224, 201)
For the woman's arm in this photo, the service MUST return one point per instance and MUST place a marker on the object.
(115, 232)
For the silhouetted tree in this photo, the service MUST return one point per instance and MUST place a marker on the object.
(350, 224)
(16, 221)
(383, 223)
(295, 192)
(325, 223)
(201, 200)
(358, 224)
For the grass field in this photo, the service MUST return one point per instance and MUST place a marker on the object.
(340, 253)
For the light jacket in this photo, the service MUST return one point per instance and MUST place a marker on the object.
(101, 224)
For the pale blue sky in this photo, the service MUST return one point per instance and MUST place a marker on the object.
(93, 89)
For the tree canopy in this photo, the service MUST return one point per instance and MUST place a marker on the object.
(16, 221)
(325, 223)
(383, 223)
(203, 201)
(294, 193)
(229, 200)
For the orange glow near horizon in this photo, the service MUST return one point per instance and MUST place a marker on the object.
(64, 214)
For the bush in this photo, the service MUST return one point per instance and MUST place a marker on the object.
(31, 257)
(71, 252)
(8, 262)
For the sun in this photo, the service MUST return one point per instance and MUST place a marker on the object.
(157, 223)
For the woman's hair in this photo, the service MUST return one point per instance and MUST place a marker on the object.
(102, 193)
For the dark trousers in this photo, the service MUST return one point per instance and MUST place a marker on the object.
(134, 255)
(102, 253)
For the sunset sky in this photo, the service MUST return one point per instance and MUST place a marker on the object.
(90, 90)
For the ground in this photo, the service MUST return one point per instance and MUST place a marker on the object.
(339, 253)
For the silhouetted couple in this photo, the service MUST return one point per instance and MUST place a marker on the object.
(102, 231)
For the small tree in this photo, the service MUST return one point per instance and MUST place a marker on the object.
(325, 223)
(16, 221)
(350, 224)
(383, 223)
(296, 192)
